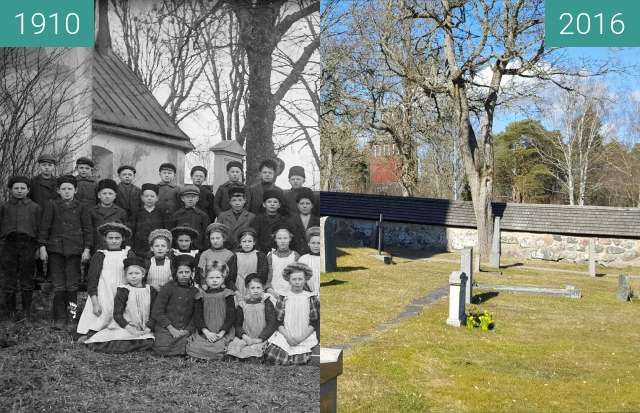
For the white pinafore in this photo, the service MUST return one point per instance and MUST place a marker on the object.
(136, 313)
(247, 263)
(159, 275)
(296, 320)
(111, 277)
(278, 264)
(313, 261)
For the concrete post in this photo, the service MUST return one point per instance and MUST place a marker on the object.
(592, 257)
(495, 244)
(624, 287)
(327, 246)
(466, 266)
(457, 286)
(330, 369)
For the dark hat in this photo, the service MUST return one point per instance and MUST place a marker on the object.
(84, 161)
(135, 260)
(297, 267)
(114, 227)
(66, 179)
(123, 167)
(312, 232)
(233, 164)
(269, 163)
(168, 165)
(218, 227)
(47, 157)
(184, 230)
(304, 193)
(107, 184)
(160, 233)
(272, 193)
(248, 230)
(149, 187)
(184, 259)
(282, 225)
(235, 190)
(253, 277)
(190, 190)
(18, 179)
(199, 168)
(296, 171)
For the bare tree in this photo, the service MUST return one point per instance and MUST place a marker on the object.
(39, 111)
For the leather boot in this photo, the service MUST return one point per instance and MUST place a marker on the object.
(59, 309)
(72, 306)
(27, 297)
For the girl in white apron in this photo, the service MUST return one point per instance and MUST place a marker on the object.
(298, 317)
(249, 261)
(278, 261)
(160, 264)
(313, 258)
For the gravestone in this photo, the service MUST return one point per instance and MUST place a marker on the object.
(327, 245)
(624, 287)
(495, 244)
(466, 266)
(457, 287)
(223, 153)
(592, 257)
(330, 369)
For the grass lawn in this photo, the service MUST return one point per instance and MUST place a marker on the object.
(546, 354)
(45, 371)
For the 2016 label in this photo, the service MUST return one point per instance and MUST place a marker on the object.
(582, 24)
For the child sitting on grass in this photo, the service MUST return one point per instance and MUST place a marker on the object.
(160, 264)
(249, 261)
(298, 318)
(255, 322)
(106, 273)
(279, 259)
(172, 313)
(214, 316)
(130, 329)
(312, 259)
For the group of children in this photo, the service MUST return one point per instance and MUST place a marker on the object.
(175, 269)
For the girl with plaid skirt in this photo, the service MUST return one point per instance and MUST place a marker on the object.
(298, 317)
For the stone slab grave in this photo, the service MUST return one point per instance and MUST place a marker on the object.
(387, 259)
(466, 266)
(457, 290)
(327, 245)
(569, 291)
(330, 369)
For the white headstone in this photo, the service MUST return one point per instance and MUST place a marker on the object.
(223, 153)
(457, 286)
(592, 257)
(327, 246)
(466, 266)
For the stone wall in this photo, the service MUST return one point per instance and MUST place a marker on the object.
(524, 245)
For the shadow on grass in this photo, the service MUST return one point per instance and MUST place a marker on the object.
(483, 297)
(515, 264)
(333, 283)
(347, 269)
(411, 254)
(341, 253)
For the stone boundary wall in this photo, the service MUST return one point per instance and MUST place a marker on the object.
(524, 245)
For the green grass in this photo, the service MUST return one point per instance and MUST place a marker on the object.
(45, 371)
(547, 354)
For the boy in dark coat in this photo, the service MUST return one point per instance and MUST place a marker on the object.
(267, 169)
(128, 196)
(42, 189)
(168, 191)
(148, 218)
(66, 238)
(106, 210)
(86, 185)
(296, 179)
(19, 225)
(206, 200)
(190, 215)
(237, 218)
(234, 175)
(268, 219)
(302, 220)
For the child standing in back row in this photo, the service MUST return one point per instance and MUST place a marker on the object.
(146, 219)
(237, 217)
(128, 196)
(255, 195)
(168, 201)
(86, 185)
(266, 221)
(234, 175)
(106, 210)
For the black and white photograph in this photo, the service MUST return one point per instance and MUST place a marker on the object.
(159, 212)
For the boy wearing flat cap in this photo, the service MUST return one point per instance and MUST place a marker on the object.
(128, 196)
(146, 219)
(86, 185)
(296, 179)
(267, 169)
(190, 215)
(19, 225)
(234, 175)
(106, 210)
(237, 218)
(42, 187)
(168, 191)
(206, 200)
(66, 238)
